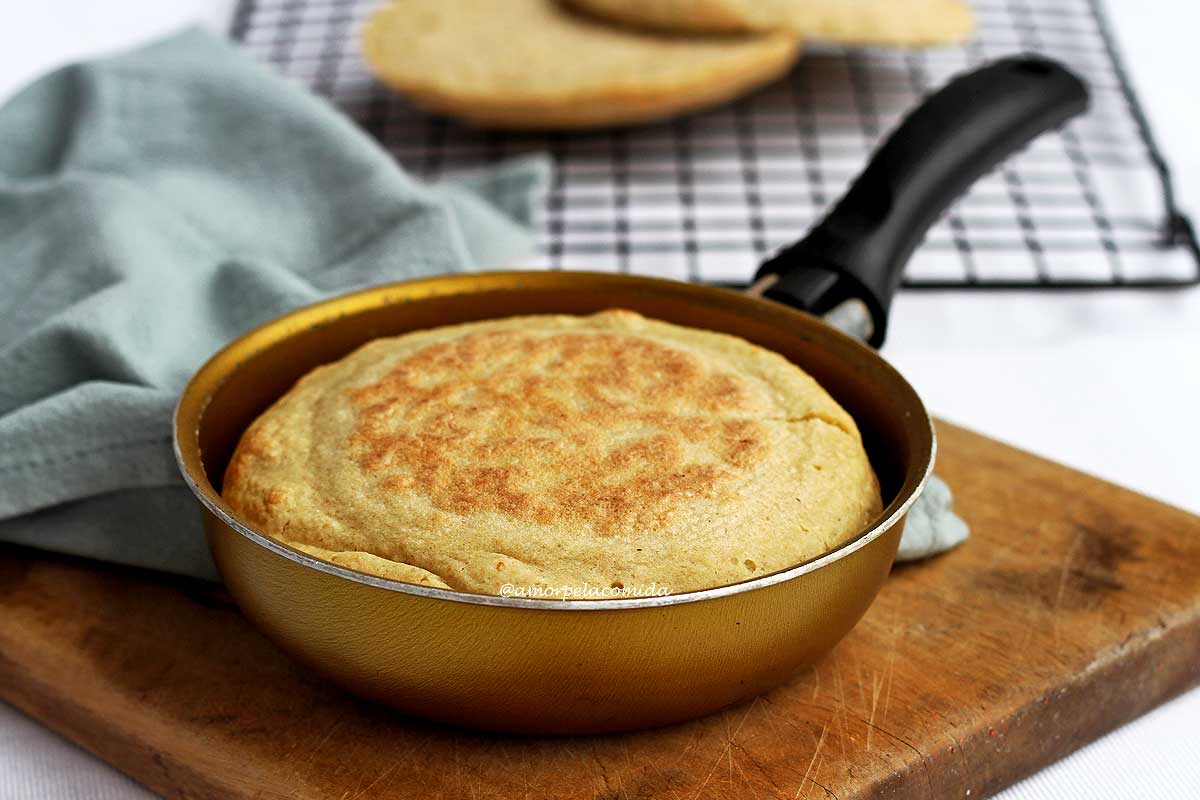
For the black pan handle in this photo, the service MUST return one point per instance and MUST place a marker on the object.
(859, 250)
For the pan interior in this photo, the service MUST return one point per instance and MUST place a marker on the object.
(240, 382)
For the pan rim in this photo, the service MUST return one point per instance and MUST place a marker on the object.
(206, 493)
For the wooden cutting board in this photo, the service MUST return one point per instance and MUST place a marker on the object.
(1074, 607)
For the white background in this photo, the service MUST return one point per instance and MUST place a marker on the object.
(1106, 382)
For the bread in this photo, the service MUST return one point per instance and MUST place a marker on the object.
(858, 22)
(609, 450)
(532, 64)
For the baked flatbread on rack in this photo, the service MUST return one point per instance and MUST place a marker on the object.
(535, 64)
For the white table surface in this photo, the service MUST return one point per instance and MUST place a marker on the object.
(1106, 382)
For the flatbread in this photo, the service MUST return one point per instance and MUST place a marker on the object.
(533, 64)
(552, 451)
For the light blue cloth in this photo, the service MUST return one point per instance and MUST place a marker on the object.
(153, 206)
(931, 527)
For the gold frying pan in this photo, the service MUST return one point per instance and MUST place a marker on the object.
(586, 666)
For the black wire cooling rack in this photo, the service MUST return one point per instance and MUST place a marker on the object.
(706, 197)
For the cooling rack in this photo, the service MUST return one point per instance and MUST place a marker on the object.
(707, 196)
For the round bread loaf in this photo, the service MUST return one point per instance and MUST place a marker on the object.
(853, 22)
(557, 451)
(534, 64)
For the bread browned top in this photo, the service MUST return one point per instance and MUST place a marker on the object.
(556, 450)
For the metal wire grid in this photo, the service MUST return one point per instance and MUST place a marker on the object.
(706, 197)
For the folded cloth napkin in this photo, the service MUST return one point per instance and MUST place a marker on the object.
(931, 527)
(152, 207)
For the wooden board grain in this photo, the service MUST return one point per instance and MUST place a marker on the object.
(1074, 607)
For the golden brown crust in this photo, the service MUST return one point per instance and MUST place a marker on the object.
(476, 423)
(552, 450)
(539, 66)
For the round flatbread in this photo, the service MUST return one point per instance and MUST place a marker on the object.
(533, 64)
(862, 22)
(610, 451)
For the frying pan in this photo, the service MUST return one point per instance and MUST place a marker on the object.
(589, 666)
